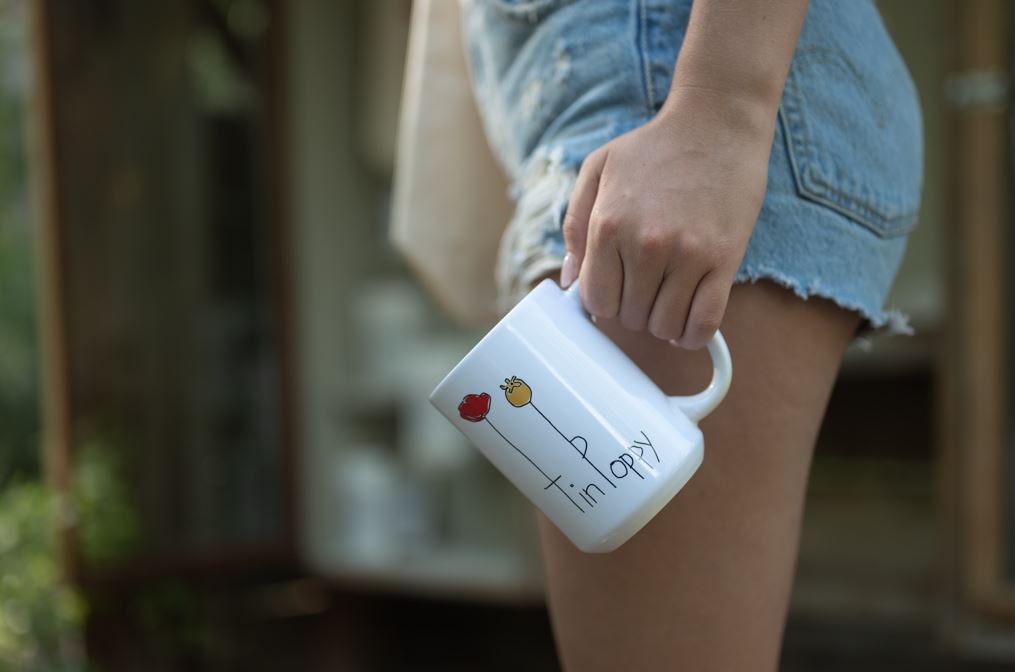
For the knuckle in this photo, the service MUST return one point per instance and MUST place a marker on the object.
(608, 226)
(653, 242)
(687, 244)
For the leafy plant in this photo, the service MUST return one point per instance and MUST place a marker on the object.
(39, 614)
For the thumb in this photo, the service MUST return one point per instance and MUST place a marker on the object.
(579, 210)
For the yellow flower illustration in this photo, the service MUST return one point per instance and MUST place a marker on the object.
(518, 393)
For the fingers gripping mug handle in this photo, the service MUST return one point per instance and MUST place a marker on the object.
(696, 406)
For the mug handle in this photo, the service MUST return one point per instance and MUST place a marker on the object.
(694, 406)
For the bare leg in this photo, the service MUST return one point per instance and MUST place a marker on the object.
(705, 585)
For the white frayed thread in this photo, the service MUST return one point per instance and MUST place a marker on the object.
(531, 99)
(524, 255)
(562, 62)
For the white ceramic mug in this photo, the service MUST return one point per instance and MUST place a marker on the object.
(570, 420)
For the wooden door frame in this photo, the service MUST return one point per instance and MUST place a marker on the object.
(975, 425)
(51, 294)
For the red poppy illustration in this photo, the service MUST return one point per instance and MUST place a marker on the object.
(474, 407)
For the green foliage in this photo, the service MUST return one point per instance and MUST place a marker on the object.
(107, 524)
(39, 614)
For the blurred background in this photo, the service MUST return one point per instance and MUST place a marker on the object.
(216, 451)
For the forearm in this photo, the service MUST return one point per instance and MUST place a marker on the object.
(738, 50)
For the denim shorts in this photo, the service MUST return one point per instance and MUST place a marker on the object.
(556, 79)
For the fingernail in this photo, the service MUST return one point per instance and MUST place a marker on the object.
(568, 271)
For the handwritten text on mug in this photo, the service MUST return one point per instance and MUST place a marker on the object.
(631, 462)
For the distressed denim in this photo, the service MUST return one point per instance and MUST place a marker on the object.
(556, 79)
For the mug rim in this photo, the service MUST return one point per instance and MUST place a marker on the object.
(501, 323)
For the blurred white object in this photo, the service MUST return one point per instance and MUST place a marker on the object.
(427, 442)
(418, 518)
(366, 489)
(390, 316)
(450, 196)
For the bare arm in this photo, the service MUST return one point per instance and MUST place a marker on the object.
(740, 47)
(660, 217)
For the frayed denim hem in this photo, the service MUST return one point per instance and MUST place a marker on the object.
(792, 231)
(875, 322)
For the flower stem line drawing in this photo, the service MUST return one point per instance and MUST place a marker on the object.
(474, 408)
(519, 394)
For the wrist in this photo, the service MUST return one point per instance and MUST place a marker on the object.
(744, 81)
(735, 114)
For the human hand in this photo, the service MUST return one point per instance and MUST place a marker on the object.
(660, 217)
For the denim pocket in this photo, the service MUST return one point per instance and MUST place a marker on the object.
(525, 10)
(854, 136)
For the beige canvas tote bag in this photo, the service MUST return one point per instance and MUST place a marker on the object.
(450, 202)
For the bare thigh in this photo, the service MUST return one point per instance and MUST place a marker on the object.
(705, 585)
